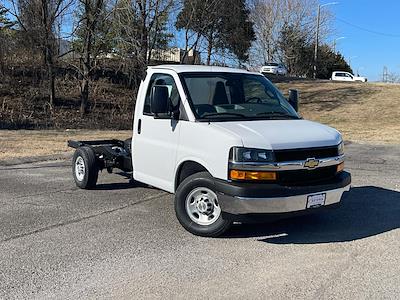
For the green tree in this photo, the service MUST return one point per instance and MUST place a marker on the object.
(224, 24)
(295, 50)
(329, 61)
(237, 31)
(297, 53)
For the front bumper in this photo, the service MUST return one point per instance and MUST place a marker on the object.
(249, 198)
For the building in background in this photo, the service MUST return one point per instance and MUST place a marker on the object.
(175, 56)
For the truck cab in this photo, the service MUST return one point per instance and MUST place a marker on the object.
(228, 145)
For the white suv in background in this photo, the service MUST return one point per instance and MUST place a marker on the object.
(346, 76)
(274, 68)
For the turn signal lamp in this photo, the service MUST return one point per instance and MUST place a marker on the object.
(340, 167)
(251, 175)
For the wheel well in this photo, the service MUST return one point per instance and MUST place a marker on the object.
(186, 169)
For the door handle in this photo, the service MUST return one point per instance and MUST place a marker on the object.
(139, 127)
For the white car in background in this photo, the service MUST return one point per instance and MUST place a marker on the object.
(274, 68)
(346, 76)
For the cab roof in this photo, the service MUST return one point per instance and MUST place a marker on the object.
(199, 68)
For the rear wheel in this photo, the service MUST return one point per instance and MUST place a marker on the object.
(197, 207)
(128, 145)
(84, 168)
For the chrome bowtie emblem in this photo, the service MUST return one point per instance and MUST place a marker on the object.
(311, 163)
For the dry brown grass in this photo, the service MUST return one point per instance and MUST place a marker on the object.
(363, 112)
(28, 143)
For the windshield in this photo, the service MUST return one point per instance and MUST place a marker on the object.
(235, 96)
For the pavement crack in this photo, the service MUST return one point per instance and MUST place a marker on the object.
(77, 220)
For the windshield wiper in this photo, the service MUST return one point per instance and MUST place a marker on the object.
(276, 114)
(224, 114)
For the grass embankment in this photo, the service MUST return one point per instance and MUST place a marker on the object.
(364, 113)
(29, 143)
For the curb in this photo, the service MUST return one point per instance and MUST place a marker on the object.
(34, 159)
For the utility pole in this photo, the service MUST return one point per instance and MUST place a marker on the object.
(317, 36)
(316, 43)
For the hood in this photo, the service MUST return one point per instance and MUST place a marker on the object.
(282, 134)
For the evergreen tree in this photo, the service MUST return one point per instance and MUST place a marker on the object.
(296, 51)
(328, 62)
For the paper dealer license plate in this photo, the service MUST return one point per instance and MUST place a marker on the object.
(314, 201)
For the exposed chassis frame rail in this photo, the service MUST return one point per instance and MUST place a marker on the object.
(109, 153)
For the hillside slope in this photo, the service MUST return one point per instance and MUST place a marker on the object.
(363, 112)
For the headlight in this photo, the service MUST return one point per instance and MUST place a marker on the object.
(341, 149)
(241, 154)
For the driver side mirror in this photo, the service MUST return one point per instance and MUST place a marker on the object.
(294, 99)
(159, 102)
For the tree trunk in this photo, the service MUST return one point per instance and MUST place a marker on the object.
(51, 75)
(84, 95)
(2, 55)
(145, 57)
(209, 51)
(91, 12)
(85, 74)
(48, 51)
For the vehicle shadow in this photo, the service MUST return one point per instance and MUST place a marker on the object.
(130, 184)
(115, 186)
(365, 211)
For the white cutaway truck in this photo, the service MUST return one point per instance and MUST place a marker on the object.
(227, 144)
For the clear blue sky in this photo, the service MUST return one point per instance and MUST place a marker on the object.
(369, 52)
(374, 46)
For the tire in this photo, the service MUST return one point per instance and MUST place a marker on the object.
(128, 145)
(196, 195)
(84, 168)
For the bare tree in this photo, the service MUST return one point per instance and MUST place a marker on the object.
(150, 13)
(37, 18)
(138, 27)
(270, 17)
(91, 11)
(5, 25)
(195, 20)
(266, 17)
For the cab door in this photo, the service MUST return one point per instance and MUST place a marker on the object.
(156, 139)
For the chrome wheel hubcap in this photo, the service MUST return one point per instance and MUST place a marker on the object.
(79, 168)
(202, 206)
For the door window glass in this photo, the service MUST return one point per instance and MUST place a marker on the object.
(162, 80)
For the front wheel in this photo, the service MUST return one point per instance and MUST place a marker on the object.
(197, 207)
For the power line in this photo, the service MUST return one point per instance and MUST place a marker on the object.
(368, 30)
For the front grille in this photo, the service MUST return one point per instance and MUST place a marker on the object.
(301, 177)
(304, 153)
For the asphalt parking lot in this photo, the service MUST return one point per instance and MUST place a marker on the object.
(123, 241)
